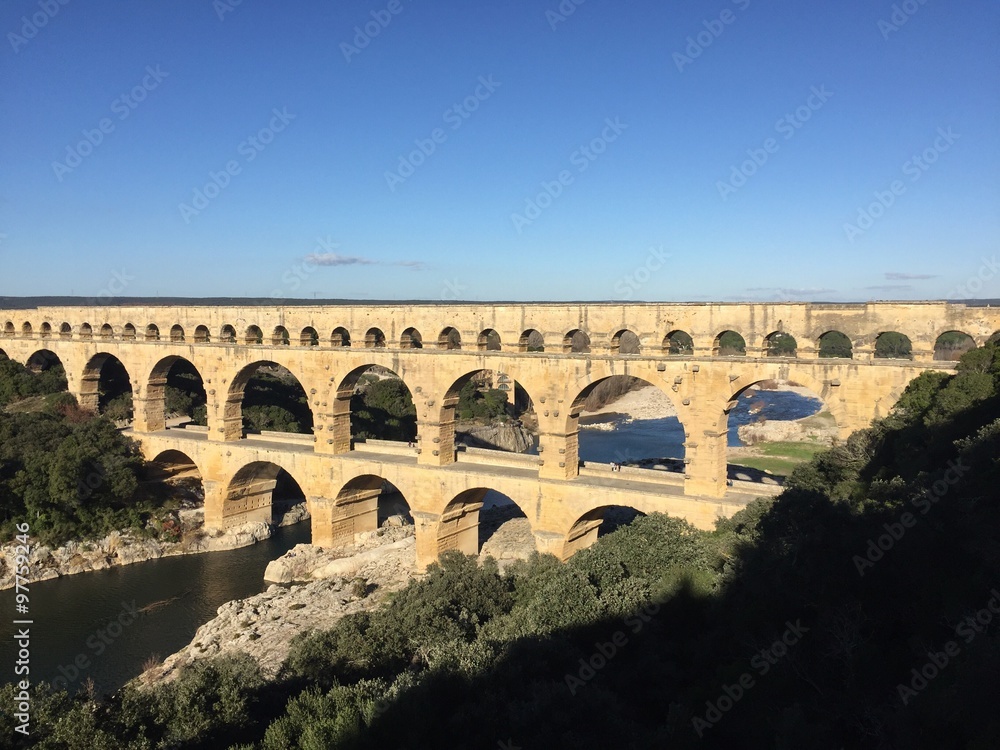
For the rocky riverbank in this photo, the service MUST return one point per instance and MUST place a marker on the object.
(350, 579)
(508, 437)
(314, 587)
(126, 548)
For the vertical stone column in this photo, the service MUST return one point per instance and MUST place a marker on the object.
(705, 436)
(149, 407)
(215, 501)
(335, 523)
(560, 454)
(436, 431)
(425, 537)
(333, 430)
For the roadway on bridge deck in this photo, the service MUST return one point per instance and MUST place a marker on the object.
(639, 486)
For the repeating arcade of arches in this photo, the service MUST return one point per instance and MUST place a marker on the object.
(248, 474)
(833, 344)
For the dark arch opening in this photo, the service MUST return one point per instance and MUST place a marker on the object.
(951, 345)
(576, 342)
(176, 333)
(253, 336)
(45, 331)
(596, 523)
(481, 521)
(625, 342)
(26, 329)
(678, 344)
(66, 331)
(893, 345)
(177, 478)
(772, 426)
(380, 405)
(202, 335)
(309, 337)
(994, 339)
(340, 337)
(8, 328)
(280, 337)
(176, 391)
(267, 397)
(228, 334)
(86, 331)
(263, 492)
(50, 371)
(107, 388)
(450, 339)
(729, 344)
(488, 341)
(152, 333)
(375, 339)
(780, 344)
(531, 341)
(411, 339)
(107, 332)
(364, 504)
(627, 422)
(488, 409)
(835, 345)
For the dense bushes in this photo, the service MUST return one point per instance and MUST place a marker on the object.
(383, 408)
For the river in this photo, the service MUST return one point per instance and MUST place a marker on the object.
(77, 634)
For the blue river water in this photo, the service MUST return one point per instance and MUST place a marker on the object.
(664, 438)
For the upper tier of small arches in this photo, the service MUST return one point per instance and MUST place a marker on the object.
(947, 346)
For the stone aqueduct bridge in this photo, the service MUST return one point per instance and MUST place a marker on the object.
(436, 349)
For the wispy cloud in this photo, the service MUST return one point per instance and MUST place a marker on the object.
(335, 259)
(896, 276)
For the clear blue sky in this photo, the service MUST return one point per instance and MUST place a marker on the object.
(312, 212)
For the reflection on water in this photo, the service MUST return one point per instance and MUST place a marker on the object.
(664, 438)
(78, 618)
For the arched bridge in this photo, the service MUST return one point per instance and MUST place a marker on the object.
(701, 356)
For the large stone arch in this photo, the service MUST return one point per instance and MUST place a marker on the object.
(950, 345)
(584, 388)
(591, 525)
(458, 527)
(89, 395)
(249, 494)
(576, 341)
(151, 410)
(232, 410)
(339, 424)
(360, 505)
(834, 344)
(444, 445)
(181, 460)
